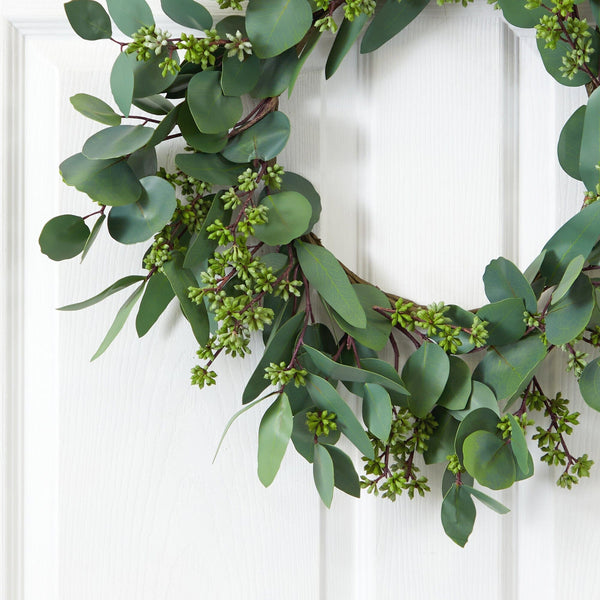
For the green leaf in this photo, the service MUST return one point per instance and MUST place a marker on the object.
(571, 274)
(449, 479)
(490, 460)
(344, 40)
(568, 317)
(502, 279)
(122, 81)
(154, 104)
(505, 369)
(273, 26)
(200, 247)
(140, 221)
(505, 321)
(291, 182)
(344, 474)
(552, 60)
(458, 514)
(304, 439)
(187, 13)
(590, 148)
(264, 140)
(288, 217)
(323, 474)
(279, 350)
(441, 442)
(482, 419)
(111, 182)
(213, 112)
(117, 141)
(119, 321)
(211, 168)
(64, 237)
(275, 75)
(589, 384)
(144, 162)
(235, 416)
(88, 19)
(425, 374)
(203, 142)
(239, 77)
(389, 21)
(181, 279)
(377, 411)
(131, 15)
(157, 297)
(93, 235)
(148, 75)
(326, 397)
(487, 500)
(337, 371)
(274, 435)
(377, 332)
(326, 275)
(577, 236)
(308, 44)
(481, 397)
(165, 127)
(117, 286)
(516, 14)
(458, 387)
(569, 143)
(534, 268)
(94, 108)
(518, 443)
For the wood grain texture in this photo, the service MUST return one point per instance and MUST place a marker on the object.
(120, 498)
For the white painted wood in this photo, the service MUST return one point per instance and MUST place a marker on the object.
(108, 487)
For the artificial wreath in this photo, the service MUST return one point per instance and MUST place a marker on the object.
(230, 237)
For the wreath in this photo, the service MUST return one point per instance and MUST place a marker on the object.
(230, 237)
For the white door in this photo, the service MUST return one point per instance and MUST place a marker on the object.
(109, 491)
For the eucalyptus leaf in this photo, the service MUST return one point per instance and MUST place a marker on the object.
(518, 443)
(304, 439)
(377, 411)
(505, 321)
(117, 141)
(88, 19)
(325, 274)
(344, 474)
(203, 142)
(489, 460)
(181, 279)
(288, 217)
(458, 514)
(156, 298)
(534, 268)
(589, 384)
(239, 77)
(326, 397)
(292, 182)
(487, 500)
(131, 15)
(347, 35)
(154, 104)
(212, 168)
(273, 26)
(144, 162)
(213, 112)
(139, 221)
(571, 274)
(482, 419)
(569, 143)
(323, 474)
(64, 237)
(274, 435)
(93, 235)
(119, 321)
(441, 443)
(122, 81)
(94, 108)
(425, 375)
(552, 59)
(119, 285)
(187, 13)
(458, 387)
(275, 75)
(502, 279)
(481, 397)
(516, 14)
(590, 152)
(263, 141)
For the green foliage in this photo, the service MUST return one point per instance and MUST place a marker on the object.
(242, 259)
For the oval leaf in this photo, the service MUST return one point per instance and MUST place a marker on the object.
(94, 108)
(458, 387)
(187, 13)
(88, 19)
(502, 279)
(458, 514)
(131, 15)
(344, 474)
(122, 82)
(288, 217)
(64, 237)
(377, 411)
(518, 443)
(490, 460)
(155, 300)
(505, 321)
(571, 274)
(239, 77)
(273, 437)
(117, 141)
(211, 168)
(589, 384)
(323, 474)
(344, 40)
(569, 143)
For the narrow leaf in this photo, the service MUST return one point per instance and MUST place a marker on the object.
(487, 500)
(377, 411)
(273, 436)
(323, 474)
(155, 300)
(119, 285)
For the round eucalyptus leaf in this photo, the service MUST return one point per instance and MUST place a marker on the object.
(275, 25)
(239, 77)
(94, 108)
(589, 384)
(64, 237)
(292, 182)
(130, 15)
(138, 222)
(552, 60)
(155, 104)
(490, 460)
(117, 141)
(213, 112)
(122, 82)
(88, 19)
(263, 141)
(203, 142)
(569, 143)
(187, 13)
(289, 213)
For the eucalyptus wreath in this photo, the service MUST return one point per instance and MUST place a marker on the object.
(228, 234)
